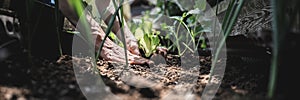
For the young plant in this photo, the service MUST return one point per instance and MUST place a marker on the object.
(192, 30)
(147, 37)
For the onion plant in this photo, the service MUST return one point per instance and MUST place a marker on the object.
(283, 21)
(230, 18)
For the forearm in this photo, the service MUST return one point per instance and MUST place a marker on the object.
(106, 13)
(68, 11)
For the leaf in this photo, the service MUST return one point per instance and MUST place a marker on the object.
(112, 36)
(155, 42)
(73, 32)
(147, 45)
(147, 26)
(194, 11)
(139, 34)
(222, 6)
(184, 4)
(203, 44)
(201, 4)
(191, 20)
(176, 17)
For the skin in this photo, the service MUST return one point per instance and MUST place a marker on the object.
(110, 51)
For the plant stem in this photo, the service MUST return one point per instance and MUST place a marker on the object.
(228, 30)
(57, 27)
(228, 15)
(277, 20)
(121, 23)
(177, 40)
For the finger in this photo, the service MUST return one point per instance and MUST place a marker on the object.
(140, 61)
(162, 50)
(135, 51)
(133, 48)
(114, 59)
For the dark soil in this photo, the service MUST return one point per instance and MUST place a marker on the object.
(246, 75)
(56, 80)
(43, 79)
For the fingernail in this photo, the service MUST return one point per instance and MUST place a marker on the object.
(130, 62)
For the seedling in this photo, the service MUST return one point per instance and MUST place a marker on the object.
(147, 37)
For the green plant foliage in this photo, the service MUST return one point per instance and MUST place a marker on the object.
(230, 18)
(194, 30)
(147, 37)
(148, 43)
(116, 40)
(200, 4)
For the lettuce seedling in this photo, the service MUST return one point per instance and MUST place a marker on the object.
(147, 37)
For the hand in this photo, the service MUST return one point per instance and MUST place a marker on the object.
(133, 46)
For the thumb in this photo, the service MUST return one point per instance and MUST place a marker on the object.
(136, 51)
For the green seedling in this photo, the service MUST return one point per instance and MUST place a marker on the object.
(193, 30)
(147, 37)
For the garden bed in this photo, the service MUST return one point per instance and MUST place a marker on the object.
(246, 74)
(56, 79)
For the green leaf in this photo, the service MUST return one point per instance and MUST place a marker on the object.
(139, 34)
(176, 17)
(147, 45)
(191, 20)
(201, 4)
(203, 44)
(194, 11)
(184, 4)
(155, 42)
(147, 26)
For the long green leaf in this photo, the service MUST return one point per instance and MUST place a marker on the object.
(121, 23)
(228, 30)
(279, 27)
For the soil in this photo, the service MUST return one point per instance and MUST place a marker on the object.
(246, 76)
(46, 79)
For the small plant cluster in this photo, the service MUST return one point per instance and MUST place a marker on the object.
(183, 18)
(147, 37)
(186, 18)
